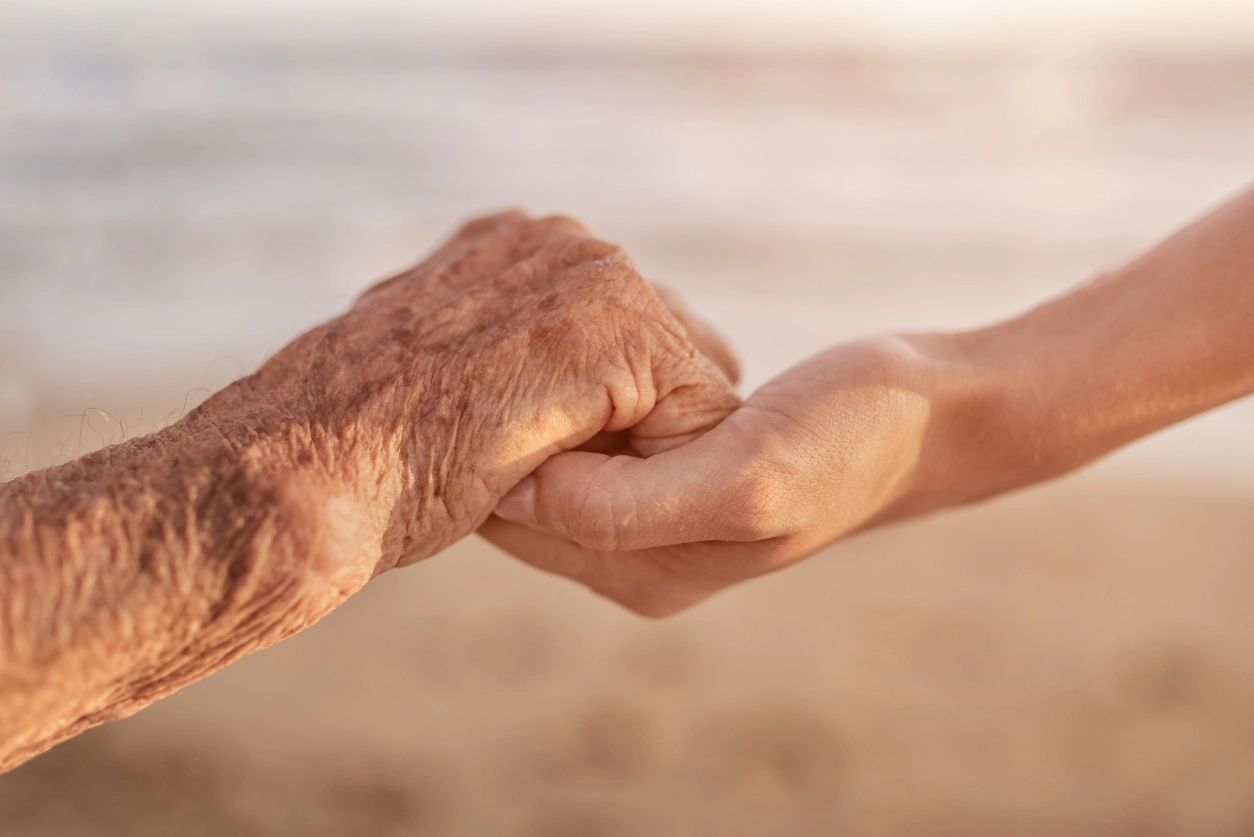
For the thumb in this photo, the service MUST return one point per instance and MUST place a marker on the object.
(698, 491)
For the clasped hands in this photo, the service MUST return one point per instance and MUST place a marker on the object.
(525, 382)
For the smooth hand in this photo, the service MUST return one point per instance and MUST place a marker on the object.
(884, 429)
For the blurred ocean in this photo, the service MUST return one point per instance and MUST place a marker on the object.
(180, 195)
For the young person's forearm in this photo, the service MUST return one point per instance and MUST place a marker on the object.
(136, 570)
(1149, 344)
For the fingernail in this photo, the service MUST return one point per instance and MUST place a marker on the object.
(519, 505)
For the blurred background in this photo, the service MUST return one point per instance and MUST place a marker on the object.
(185, 185)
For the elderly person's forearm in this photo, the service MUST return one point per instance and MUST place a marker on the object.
(371, 442)
(141, 568)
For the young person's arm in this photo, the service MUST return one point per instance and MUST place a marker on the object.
(886, 429)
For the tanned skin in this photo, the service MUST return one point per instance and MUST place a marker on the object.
(889, 428)
(369, 443)
(529, 347)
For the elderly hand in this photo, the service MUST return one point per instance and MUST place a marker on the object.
(445, 385)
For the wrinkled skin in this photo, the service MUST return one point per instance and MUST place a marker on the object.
(371, 442)
(445, 385)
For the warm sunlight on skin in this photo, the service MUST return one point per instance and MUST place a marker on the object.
(527, 367)
(368, 443)
(881, 430)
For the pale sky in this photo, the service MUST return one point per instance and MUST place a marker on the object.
(1226, 24)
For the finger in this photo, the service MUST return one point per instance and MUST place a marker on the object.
(454, 245)
(691, 402)
(661, 390)
(694, 386)
(640, 581)
(706, 490)
(637, 373)
(704, 336)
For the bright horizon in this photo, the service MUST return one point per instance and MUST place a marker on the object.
(806, 24)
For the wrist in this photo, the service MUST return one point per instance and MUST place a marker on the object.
(256, 457)
(982, 433)
(196, 540)
(375, 453)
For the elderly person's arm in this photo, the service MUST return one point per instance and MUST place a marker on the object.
(886, 429)
(371, 442)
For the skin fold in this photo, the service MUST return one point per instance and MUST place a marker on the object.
(371, 442)
(893, 427)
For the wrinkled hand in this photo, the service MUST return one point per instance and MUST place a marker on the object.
(447, 384)
(821, 451)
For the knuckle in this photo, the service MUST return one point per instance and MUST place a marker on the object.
(559, 226)
(573, 251)
(598, 540)
(650, 606)
(484, 224)
(605, 515)
(758, 503)
(652, 600)
(595, 525)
